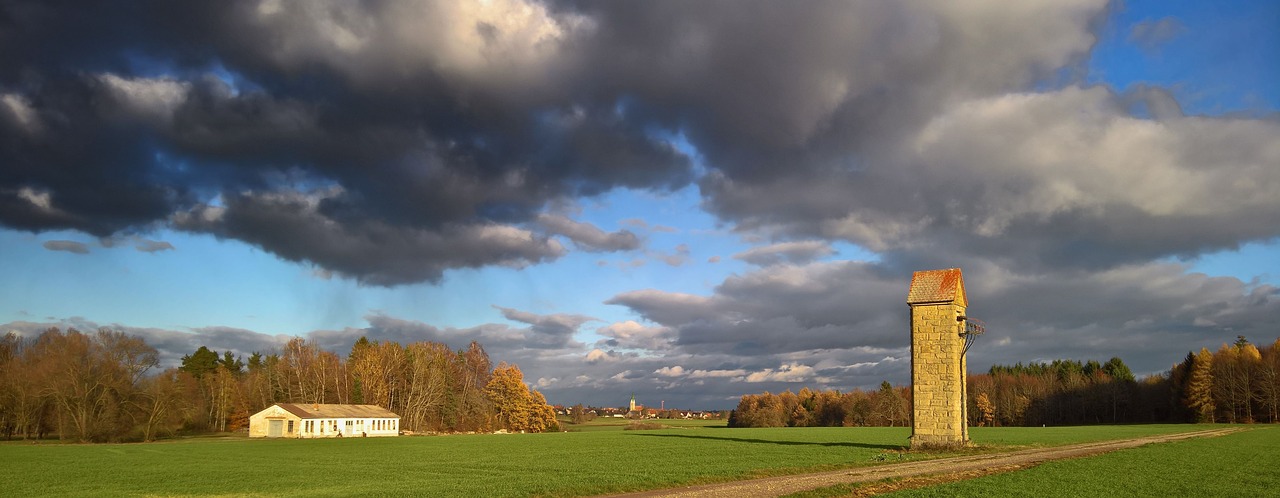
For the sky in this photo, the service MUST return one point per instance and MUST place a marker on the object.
(684, 201)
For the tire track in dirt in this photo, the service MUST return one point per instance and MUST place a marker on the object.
(972, 464)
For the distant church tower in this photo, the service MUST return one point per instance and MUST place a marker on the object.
(633, 402)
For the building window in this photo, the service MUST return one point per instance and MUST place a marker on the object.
(290, 427)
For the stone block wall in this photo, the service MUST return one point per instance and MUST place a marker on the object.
(937, 382)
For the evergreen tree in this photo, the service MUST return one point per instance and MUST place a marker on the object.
(1179, 378)
(230, 362)
(199, 363)
(255, 361)
(1116, 369)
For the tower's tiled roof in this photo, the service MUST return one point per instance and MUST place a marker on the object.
(937, 286)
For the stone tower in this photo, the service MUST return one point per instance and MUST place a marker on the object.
(938, 303)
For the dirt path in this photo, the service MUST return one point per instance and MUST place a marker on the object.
(962, 466)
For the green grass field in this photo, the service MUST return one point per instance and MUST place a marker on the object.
(603, 460)
(1242, 464)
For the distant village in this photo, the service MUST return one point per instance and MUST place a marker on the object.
(636, 411)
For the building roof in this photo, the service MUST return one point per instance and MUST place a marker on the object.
(337, 411)
(937, 286)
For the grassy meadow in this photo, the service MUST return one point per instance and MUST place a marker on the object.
(1241, 464)
(600, 458)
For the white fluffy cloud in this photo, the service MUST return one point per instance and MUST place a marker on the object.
(153, 99)
(502, 42)
(633, 335)
(784, 373)
(674, 371)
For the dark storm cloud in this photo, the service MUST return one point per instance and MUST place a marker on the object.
(893, 126)
(768, 90)
(295, 227)
(429, 129)
(68, 164)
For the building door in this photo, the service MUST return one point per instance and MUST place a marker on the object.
(275, 428)
(350, 427)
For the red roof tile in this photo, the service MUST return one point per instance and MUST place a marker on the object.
(937, 286)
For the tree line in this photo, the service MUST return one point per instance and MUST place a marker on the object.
(104, 386)
(1240, 383)
(889, 406)
(1236, 384)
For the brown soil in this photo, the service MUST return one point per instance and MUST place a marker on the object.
(916, 474)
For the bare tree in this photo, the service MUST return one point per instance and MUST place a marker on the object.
(472, 372)
(160, 403)
(428, 383)
(379, 369)
(1268, 392)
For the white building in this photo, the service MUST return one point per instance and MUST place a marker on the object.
(314, 420)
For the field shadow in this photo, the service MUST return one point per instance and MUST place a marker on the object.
(783, 443)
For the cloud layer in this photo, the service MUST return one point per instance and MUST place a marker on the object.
(836, 325)
(405, 133)
(392, 142)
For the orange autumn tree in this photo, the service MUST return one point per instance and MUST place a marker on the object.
(986, 409)
(518, 407)
(1199, 393)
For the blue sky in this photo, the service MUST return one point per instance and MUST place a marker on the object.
(687, 210)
